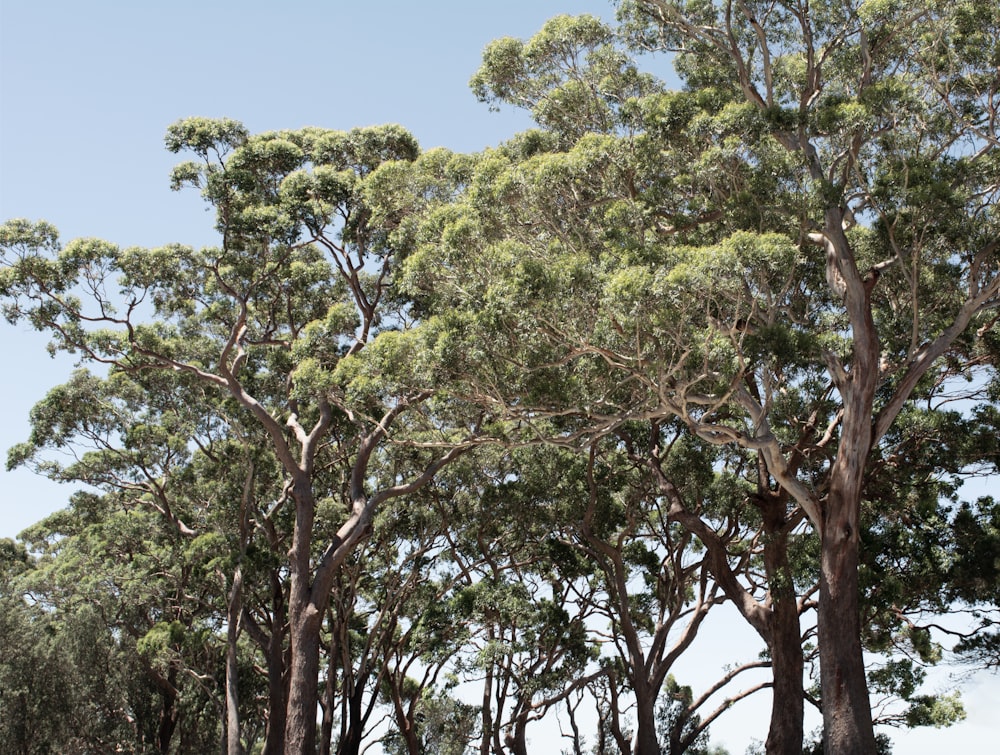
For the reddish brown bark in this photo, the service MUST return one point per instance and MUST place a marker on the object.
(847, 720)
(304, 619)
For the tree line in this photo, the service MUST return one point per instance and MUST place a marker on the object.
(434, 446)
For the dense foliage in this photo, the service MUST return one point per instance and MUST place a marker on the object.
(434, 450)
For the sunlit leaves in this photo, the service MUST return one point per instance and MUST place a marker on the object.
(570, 75)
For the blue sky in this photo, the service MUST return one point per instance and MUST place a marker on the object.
(88, 88)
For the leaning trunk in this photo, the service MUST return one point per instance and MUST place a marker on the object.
(847, 719)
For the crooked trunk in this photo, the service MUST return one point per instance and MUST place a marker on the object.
(847, 719)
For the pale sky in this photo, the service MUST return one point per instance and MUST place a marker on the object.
(88, 88)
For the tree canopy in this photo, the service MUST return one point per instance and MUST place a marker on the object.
(432, 447)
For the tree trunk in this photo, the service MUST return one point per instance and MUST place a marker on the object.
(487, 709)
(351, 742)
(645, 742)
(404, 721)
(300, 720)
(847, 716)
(847, 719)
(351, 745)
(329, 699)
(304, 621)
(303, 674)
(277, 688)
(168, 712)
(785, 732)
(517, 739)
(235, 609)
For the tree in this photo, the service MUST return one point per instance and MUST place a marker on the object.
(563, 216)
(157, 443)
(119, 641)
(974, 579)
(869, 270)
(275, 319)
(527, 647)
(873, 101)
(768, 270)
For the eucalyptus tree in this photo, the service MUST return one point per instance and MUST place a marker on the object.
(293, 318)
(778, 255)
(974, 575)
(569, 315)
(929, 567)
(36, 676)
(653, 586)
(527, 646)
(159, 442)
(578, 580)
(889, 112)
(974, 579)
(392, 629)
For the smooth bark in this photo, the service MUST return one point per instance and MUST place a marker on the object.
(844, 690)
(235, 609)
(304, 620)
(785, 732)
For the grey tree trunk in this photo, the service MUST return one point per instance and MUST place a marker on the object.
(235, 610)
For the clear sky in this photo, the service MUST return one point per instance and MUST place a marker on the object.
(88, 88)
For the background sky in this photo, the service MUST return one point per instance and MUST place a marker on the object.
(87, 90)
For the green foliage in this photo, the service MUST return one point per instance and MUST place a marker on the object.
(570, 75)
(662, 307)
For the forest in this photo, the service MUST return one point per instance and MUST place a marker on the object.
(435, 451)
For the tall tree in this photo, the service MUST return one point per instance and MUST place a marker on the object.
(890, 111)
(575, 216)
(276, 318)
(778, 256)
